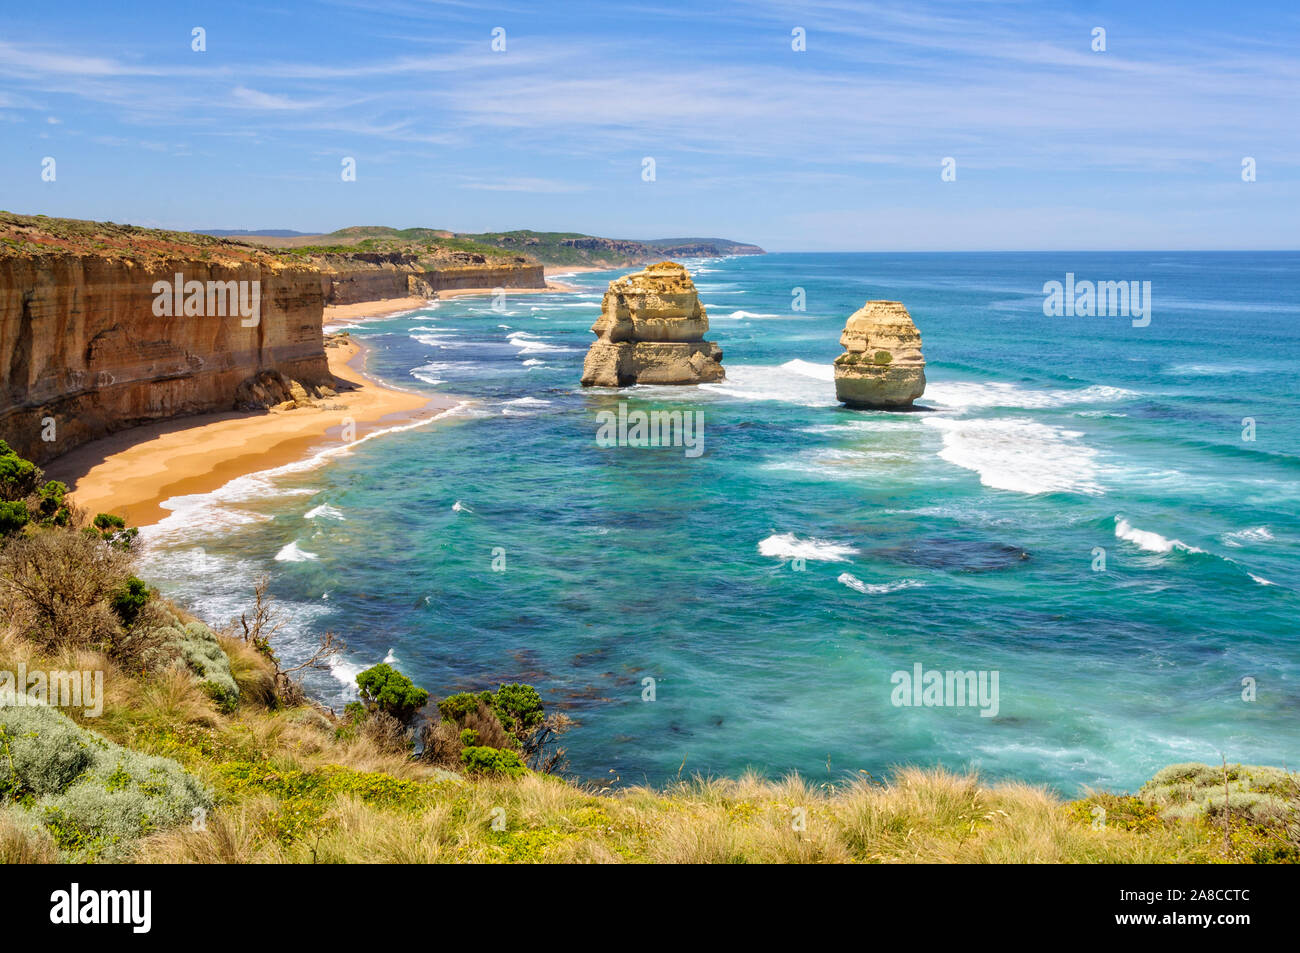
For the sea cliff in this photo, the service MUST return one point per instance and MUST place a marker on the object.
(92, 342)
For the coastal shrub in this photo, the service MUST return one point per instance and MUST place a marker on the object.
(51, 505)
(196, 645)
(388, 690)
(129, 599)
(13, 517)
(113, 530)
(511, 717)
(1258, 795)
(54, 587)
(456, 707)
(18, 477)
(481, 759)
(519, 708)
(94, 797)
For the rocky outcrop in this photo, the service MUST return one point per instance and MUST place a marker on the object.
(882, 366)
(651, 331)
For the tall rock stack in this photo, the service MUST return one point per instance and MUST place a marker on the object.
(651, 331)
(881, 366)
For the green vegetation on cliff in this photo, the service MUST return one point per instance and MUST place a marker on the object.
(199, 746)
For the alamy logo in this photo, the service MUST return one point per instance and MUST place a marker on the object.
(935, 689)
(1086, 299)
(216, 299)
(655, 428)
(57, 689)
(133, 907)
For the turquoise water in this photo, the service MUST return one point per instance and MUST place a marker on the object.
(959, 537)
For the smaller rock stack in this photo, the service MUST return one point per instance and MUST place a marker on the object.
(651, 331)
(882, 366)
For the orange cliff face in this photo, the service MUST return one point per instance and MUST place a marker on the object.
(85, 351)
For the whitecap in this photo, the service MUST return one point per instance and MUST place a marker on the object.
(875, 589)
(325, 510)
(1256, 534)
(293, 554)
(789, 546)
(1151, 542)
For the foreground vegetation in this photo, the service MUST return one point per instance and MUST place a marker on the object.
(205, 749)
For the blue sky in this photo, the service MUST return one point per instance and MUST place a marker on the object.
(836, 147)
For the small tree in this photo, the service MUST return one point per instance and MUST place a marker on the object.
(18, 477)
(113, 530)
(127, 601)
(388, 690)
(13, 517)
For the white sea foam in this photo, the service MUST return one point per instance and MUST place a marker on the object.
(459, 507)
(523, 406)
(970, 395)
(875, 589)
(292, 553)
(790, 546)
(324, 510)
(1020, 455)
(1256, 534)
(218, 510)
(530, 343)
(1151, 542)
(742, 315)
(435, 340)
(435, 372)
(794, 382)
(1260, 579)
(1213, 370)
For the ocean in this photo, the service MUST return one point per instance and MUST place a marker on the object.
(1101, 519)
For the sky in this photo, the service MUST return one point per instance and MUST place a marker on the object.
(840, 145)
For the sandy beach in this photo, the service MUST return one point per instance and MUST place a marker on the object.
(131, 473)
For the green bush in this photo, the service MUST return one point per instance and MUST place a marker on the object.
(390, 691)
(94, 797)
(459, 706)
(113, 530)
(129, 600)
(483, 760)
(519, 707)
(18, 477)
(13, 517)
(51, 506)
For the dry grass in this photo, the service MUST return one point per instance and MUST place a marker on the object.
(289, 789)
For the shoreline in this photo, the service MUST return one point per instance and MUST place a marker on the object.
(344, 315)
(131, 473)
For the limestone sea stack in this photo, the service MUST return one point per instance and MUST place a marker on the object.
(651, 331)
(881, 366)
